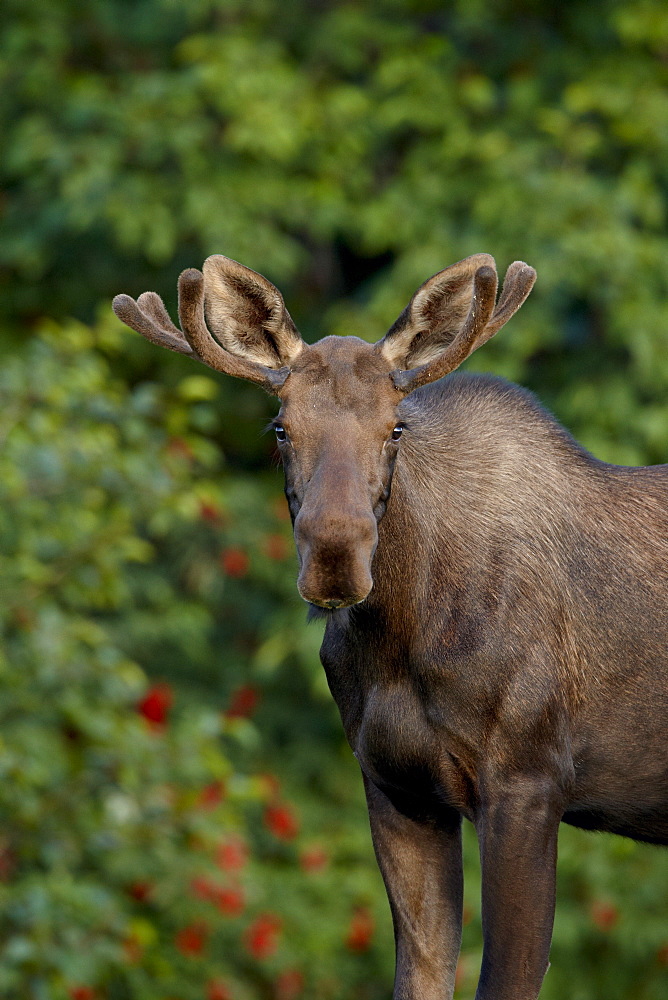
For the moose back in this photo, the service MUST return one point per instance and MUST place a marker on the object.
(495, 598)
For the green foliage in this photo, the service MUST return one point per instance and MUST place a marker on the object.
(347, 152)
(138, 857)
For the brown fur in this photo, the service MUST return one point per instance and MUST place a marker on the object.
(496, 636)
(247, 315)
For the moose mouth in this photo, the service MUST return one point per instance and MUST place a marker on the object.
(333, 602)
(341, 585)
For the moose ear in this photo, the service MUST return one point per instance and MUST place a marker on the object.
(247, 315)
(451, 315)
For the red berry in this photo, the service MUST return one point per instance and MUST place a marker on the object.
(281, 509)
(281, 821)
(261, 937)
(232, 854)
(360, 930)
(7, 863)
(24, 618)
(604, 915)
(234, 562)
(211, 795)
(140, 891)
(209, 511)
(271, 784)
(156, 703)
(230, 900)
(133, 949)
(276, 547)
(217, 990)
(315, 859)
(243, 702)
(289, 985)
(203, 888)
(461, 972)
(179, 446)
(190, 940)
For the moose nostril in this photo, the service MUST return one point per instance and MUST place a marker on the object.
(332, 603)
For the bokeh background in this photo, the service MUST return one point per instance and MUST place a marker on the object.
(180, 818)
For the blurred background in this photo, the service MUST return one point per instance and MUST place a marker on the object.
(180, 817)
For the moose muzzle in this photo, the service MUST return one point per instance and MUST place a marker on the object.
(335, 553)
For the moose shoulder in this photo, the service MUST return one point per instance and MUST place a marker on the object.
(495, 601)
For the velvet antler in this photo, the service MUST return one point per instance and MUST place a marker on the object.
(246, 310)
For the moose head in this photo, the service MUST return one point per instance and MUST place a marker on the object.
(339, 427)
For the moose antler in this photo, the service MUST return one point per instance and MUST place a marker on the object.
(149, 317)
(518, 282)
(430, 324)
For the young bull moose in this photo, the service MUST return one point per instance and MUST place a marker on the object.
(495, 600)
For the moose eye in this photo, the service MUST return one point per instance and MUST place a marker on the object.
(397, 432)
(280, 432)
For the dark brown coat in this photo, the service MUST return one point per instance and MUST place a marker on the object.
(496, 602)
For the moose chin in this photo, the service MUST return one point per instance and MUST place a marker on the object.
(495, 598)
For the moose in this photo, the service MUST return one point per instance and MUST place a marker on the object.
(495, 599)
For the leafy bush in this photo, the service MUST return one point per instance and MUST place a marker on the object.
(138, 860)
(144, 549)
(147, 847)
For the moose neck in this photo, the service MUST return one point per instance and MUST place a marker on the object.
(459, 497)
(408, 556)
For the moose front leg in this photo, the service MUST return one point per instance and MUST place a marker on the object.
(421, 864)
(517, 830)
